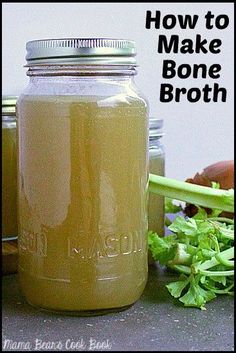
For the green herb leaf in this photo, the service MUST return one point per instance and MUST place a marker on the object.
(176, 288)
(182, 225)
(197, 296)
(162, 249)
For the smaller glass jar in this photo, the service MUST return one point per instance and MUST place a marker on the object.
(9, 169)
(156, 166)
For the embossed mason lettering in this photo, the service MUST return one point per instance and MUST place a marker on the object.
(33, 243)
(105, 246)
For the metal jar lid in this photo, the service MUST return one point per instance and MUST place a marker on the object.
(155, 127)
(9, 105)
(81, 51)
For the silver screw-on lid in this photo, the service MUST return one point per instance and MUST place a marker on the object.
(155, 127)
(85, 51)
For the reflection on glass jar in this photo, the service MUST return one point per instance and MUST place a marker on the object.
(9, 168)
(156, 166)
(83, 174)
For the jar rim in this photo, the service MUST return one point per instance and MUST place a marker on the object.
(9, 105)
(155, 127)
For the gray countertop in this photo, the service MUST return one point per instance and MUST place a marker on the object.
(156, 323)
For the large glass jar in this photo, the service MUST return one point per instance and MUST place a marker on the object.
(9, 168)
(156, 166)
(83, 176)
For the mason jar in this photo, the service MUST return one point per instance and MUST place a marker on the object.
(9, 169)
(156, 213)
(83, 176)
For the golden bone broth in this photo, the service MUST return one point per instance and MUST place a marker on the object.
(9, 181)
(82, 201)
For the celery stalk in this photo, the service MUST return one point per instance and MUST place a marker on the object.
(198, 195)
(226, 254)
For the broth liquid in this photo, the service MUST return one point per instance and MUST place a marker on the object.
(82, 201)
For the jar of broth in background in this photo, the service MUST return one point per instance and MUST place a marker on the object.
(156, 213)
(9, 186)
(9, 168)
(83, 176)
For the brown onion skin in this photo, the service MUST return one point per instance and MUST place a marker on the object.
(221, 172)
